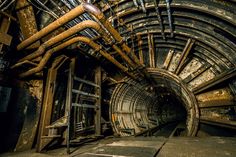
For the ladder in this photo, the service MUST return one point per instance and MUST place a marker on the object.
(67, 125)
(77, 105)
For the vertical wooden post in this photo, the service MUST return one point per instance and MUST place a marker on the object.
(69, 101)
(47, 106)
(4, 29)
(140, 51)
(98, 79)
(151, 50)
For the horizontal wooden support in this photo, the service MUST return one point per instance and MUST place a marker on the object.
(83, 105)
(86, 82)
(216, 98)
(195, 74)
(219, 122)
(218, 79)
(84, 93)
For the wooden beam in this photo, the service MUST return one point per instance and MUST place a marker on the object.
(140, 51)
(151, 50)
(219, 122)
(47, 105)
(216, 98)
(216, 80)
(195, 74)
(5, 39)
(97, 120)
(168, 59)
(69, 101)
(5, 24)
(184, 55)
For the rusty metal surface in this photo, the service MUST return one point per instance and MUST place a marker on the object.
(32, 116)
(27, 21)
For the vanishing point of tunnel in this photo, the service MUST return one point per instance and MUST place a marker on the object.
(118, 78)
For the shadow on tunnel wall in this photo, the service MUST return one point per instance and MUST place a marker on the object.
(20, 104)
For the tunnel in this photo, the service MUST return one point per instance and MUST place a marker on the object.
(139, 71)
(136, 107)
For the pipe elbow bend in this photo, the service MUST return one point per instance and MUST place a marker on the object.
(93, 10)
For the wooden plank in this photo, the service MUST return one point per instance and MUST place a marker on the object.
(218, 79)
(195, 74)
(216, 98)
(184, 55)
(151, 51)
(5, 39)
(5, 24)
(168, 59)
(97, 120)
(69, 101)
(219, 122)
(140, 51)
(47, 105)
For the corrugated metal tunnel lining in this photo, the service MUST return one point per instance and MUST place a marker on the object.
(198, 48)
(137, 107)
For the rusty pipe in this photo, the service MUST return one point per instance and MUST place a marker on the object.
(100, 17)
(67, 43)
(124, 56)
(58, 23)
(73, 30)
(66, 34)
(84, 7)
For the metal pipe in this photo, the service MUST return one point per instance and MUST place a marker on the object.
(94, 11)
(84, 7)
(58, 23)
(124, 56)
(73, 30)
(135, 3)
(143, 6)
(159, 19)
(169, 17)
(86, 40)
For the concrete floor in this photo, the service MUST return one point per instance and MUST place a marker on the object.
(145, 147)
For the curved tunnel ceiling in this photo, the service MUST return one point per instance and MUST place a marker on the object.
(187, 47)
(210, 25)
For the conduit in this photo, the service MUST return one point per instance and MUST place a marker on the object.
(95, 12)
(85, 40)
